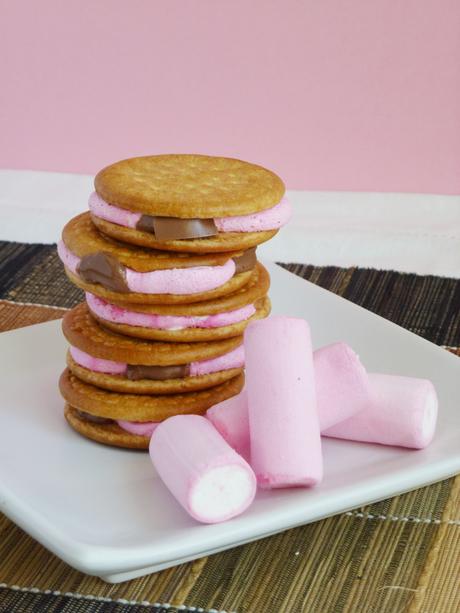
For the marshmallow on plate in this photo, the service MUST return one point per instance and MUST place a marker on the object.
(230, 418)
(342, 384)
(206, 476)
(284, 429)
(403, 413)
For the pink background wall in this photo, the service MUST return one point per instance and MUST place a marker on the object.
(333, 94)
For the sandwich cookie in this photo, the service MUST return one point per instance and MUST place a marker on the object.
(91, 409)
(116, 271)
(123, 364)
(193, 203)
(202, 321)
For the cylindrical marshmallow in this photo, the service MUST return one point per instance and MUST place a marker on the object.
(342, 384)
(403, 413)
(230, 418)
(284, 428)
(206, 476)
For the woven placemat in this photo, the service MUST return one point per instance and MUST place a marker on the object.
(398, 555)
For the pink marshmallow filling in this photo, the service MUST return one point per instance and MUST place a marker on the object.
(269, 219)
(180, 281)
(141, 428)
(97, 364)
(120, 315)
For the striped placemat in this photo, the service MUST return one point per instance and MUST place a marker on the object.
(398, 555)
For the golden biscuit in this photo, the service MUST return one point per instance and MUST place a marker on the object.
(82, 331)
(138, 407)
(189, 186)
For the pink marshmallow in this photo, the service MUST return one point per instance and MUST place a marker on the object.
(120, 315)
(140, 428)
(205, 475)
(181, 281)
(114, 214)
(69, 259)
(231, 420)
(342, 384)
(269, 219)
(96, 364)
(232, 359)
(403, 413)
(284, 428)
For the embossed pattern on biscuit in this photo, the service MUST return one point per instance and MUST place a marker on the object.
(137, 407)
(189, 185)
(82, 331)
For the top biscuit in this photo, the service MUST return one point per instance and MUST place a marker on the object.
(189, 186)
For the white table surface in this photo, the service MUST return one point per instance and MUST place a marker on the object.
(417, 233)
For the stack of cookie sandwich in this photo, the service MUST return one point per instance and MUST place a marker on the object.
(167, 259)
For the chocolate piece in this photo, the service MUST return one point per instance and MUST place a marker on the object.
(145, 224)
(174, 228)
(246, 262)
(93, 418)
(157, 373)
(105, 269)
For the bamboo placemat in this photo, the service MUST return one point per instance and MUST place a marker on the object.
(398, 555)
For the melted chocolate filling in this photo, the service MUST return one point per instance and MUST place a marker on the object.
(157, 373)
(246, 262)
(174, 228)
(93, 418)
(105, 269)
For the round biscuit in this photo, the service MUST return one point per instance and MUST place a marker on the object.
(189, 186)
(82, 331)
(138, 407)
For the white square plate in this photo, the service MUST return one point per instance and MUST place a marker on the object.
(105, 512)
